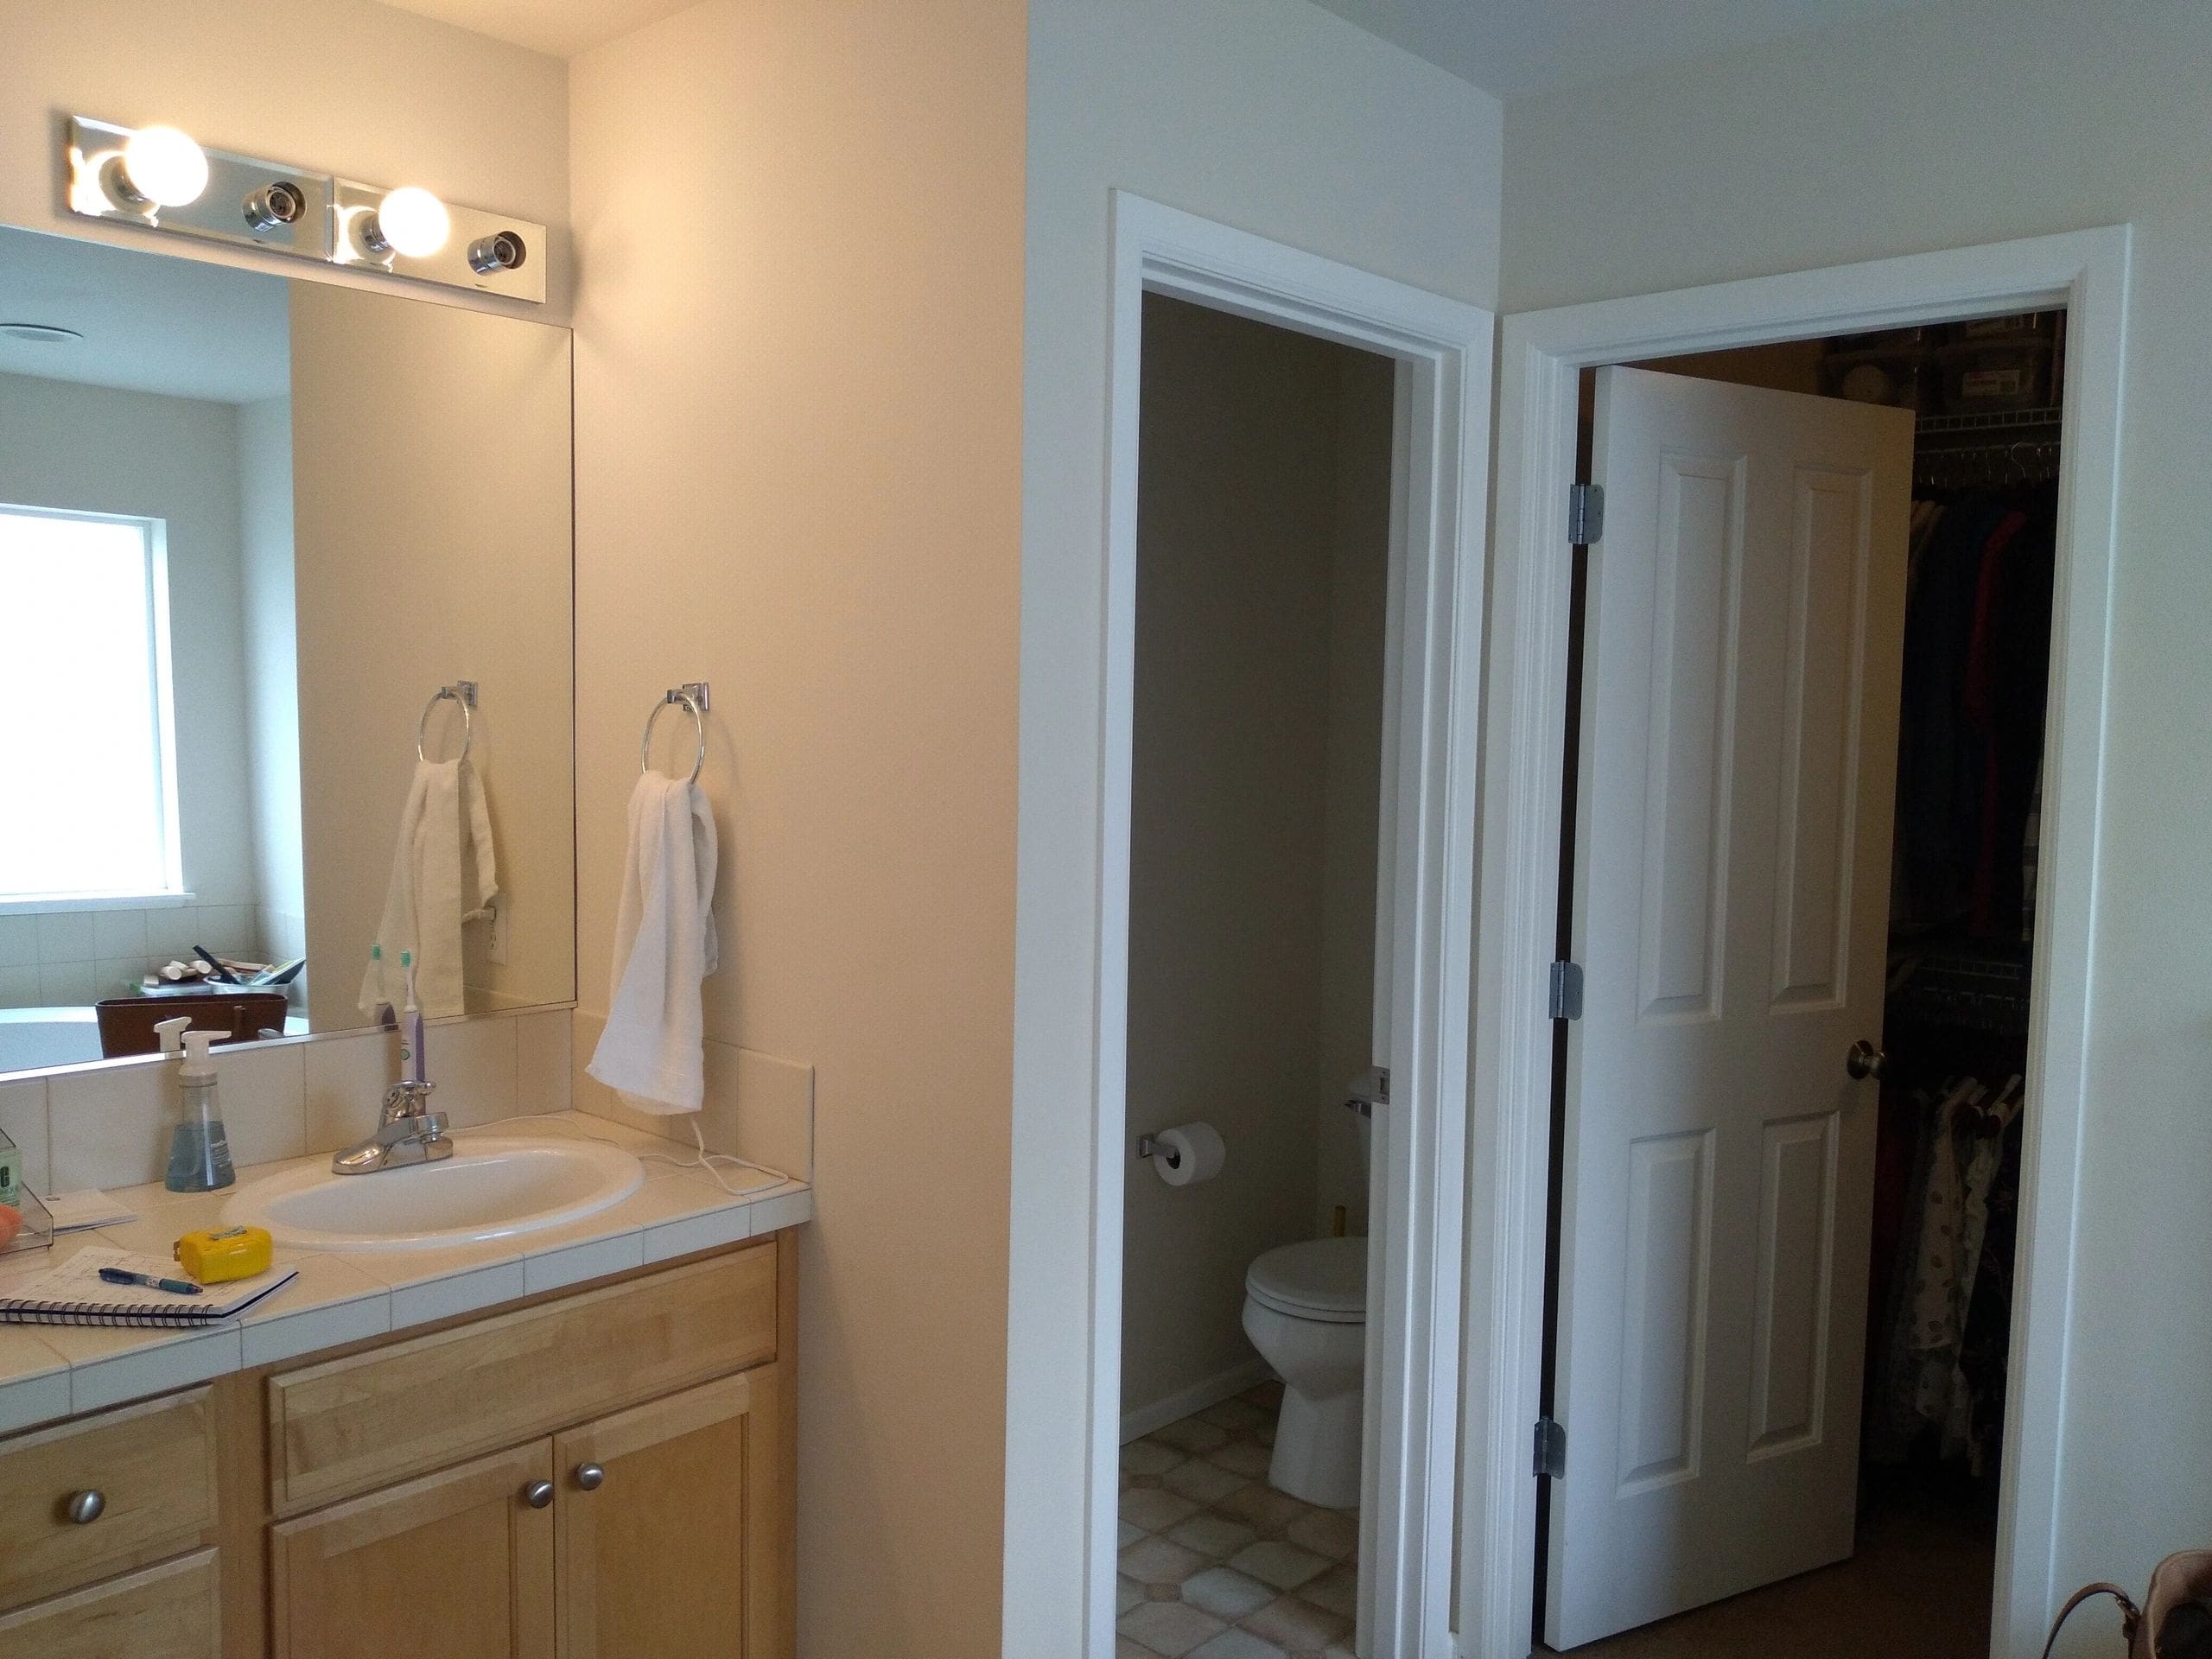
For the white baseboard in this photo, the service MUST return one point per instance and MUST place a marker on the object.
(1180, 1404)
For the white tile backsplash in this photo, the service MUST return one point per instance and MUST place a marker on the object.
(109, 1127)
(543, 1073)
(119, 933)
(23, 1120)
(18, 941)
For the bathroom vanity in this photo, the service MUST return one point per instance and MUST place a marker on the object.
(599, 1470)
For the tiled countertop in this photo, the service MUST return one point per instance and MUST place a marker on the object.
(53, 1371)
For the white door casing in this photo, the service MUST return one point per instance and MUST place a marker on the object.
(1737, 774)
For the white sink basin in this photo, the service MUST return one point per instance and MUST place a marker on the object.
(490, 1188)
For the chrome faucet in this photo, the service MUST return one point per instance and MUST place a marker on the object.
(407, 1132)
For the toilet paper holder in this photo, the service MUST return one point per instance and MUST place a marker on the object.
(1151, 1146)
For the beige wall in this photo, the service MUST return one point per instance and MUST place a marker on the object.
(1252, 865)
(1952, 123)
(430, 451)
(182, 466)
(1279, 118)
(346, 86)
(798, 432)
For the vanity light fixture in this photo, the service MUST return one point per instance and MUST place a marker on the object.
(158, 178)
(164, 167)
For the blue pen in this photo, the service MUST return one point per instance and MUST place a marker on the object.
(125, 1276)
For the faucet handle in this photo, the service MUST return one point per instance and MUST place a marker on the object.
(407, 1099)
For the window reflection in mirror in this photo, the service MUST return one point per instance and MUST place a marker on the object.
(248, 528)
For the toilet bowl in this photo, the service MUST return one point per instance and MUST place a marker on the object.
(1306, 1310)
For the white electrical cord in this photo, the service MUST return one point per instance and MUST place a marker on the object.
(705, 1159)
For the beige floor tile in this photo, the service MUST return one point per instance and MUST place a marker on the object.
(1298, 1626)
(1209, 1534)
(1246, 1458)
(1168, 1627)
(1193, 1435)
(1204, 1482)
(1149, 1457)
(1237, 1644)
(1157, 1509)
(1267, 1512)
(1279, 1563)
(1157, 1562)
(1333, 1533)
(1226, 1592)
(1336, 1590)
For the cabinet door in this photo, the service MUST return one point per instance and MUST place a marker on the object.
(668, 1527)
(169, 1611)
(457, 1565)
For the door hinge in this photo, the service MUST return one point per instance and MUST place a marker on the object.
(1551, 1449)
(1586, 514)
(1566, 991)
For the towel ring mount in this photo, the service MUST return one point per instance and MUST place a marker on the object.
(463, 693)
(693, 697)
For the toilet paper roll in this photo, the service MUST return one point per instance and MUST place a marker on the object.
(1188, 1154)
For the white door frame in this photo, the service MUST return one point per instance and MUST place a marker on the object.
(1543, 354)
(1443, 349)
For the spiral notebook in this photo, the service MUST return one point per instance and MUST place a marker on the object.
(74, 1294)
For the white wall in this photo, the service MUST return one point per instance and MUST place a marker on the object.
(1956, 123)
(174, 459)
(344, 87)
(1286, 121)
(272, 677)
(1257, 733)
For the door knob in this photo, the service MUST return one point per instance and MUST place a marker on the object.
(537, 1494)
(1865, 1061)
(590, 1476)
(84, 1508)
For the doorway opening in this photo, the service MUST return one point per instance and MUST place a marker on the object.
(1821, 1120)
(1255, 1013)
(1437, 354)
(1679, 995)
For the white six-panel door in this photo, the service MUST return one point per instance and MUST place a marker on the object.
(1737, 778)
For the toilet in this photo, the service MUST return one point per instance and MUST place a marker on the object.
(1306, 1310)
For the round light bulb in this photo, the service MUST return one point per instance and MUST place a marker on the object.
(164, 165)
(414, 221)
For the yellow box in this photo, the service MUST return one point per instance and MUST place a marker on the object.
(231, 1253)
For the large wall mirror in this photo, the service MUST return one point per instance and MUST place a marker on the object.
(260, 540)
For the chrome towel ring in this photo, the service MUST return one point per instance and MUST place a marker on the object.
(462, 692)
(691, 695)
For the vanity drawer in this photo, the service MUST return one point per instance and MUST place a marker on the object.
(153, 1468)
(171, 1611)
(349, 1425)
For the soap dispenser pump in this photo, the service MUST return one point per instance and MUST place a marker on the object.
(200, 1153)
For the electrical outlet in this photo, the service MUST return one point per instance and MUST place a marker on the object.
(495, 932)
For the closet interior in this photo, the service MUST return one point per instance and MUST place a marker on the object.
(1976, 679)
(1986, 395)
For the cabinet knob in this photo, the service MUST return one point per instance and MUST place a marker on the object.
(590, 1476)
(84, 1508)
(537, 1494)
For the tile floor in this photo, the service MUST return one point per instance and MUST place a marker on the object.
(1217, 1564)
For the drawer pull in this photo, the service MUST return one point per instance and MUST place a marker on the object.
(590, 1476)
(84, 1508)
(537, 1494)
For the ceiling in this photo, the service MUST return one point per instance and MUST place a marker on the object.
(1509, 48)
(560, 28)
(150, 321)
(1512, 48)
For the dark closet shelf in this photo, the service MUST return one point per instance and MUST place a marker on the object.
(1971, 984)
(1982, 425)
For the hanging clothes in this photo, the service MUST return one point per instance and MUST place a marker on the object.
(1974, 688)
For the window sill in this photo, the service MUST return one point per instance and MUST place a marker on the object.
(65, 903)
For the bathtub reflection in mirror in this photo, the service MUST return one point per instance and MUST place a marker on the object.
(249, 527)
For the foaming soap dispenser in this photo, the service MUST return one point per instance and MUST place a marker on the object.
(200, 1153)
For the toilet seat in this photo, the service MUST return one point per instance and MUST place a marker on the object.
(1324, 1279)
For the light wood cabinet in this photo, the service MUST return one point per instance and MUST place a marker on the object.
(170, 1612)
(596, 1474)
(458, 1565)
(659, 1508)
(87, 1500)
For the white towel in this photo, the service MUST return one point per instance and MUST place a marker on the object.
(653, 1048)
(431, 894)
